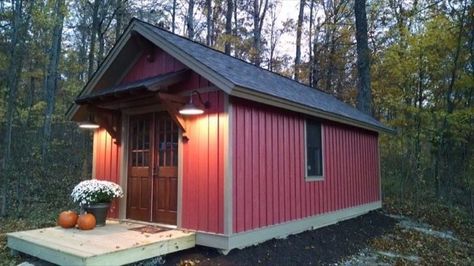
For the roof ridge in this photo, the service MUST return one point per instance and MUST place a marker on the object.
(235, 58)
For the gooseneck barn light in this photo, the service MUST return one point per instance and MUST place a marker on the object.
(89, 123)
(190, 108)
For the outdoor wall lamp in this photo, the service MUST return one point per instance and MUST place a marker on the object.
(89, 123)
(190, 108)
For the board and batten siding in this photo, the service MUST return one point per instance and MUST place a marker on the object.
(269, 185)
(203, 167)
(202, 160)
(107, 162)
(145, 68)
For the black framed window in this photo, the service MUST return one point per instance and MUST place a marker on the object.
(314, 149)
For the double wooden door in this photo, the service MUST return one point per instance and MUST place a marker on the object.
(153, 168)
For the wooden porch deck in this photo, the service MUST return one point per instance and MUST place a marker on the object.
(113, 244)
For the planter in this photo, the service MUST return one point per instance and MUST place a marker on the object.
(99, 210)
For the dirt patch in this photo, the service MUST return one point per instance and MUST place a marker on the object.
(323, 246)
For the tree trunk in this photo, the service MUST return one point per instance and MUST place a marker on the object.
(310, 44)
(209, 22)
(330, 69)
(472, 202)
(256, 33)
(299, 29)
(102, 29)
(31, 96)
(315, 69)
(190, 20)
(83, 31)
(272, 40)
(95, 25)
(364, 93)
(259, 11)
(446, 143)
(20, 23)
(173, 17)
(228, 26)
(417, 140)
(100, 53)
(236, 21)
(119, 19)
(52, 75)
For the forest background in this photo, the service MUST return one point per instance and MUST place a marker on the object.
(421, 55)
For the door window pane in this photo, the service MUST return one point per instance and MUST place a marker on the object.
(140, 142)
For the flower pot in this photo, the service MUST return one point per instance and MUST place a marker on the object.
(99, 210)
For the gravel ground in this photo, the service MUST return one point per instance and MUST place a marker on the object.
(325, 246)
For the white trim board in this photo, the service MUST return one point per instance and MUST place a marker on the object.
(94, 153)
(123, 157)
(179, 209)
(253, 237)
(228, 165)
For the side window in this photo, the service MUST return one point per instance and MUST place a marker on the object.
(314, 150)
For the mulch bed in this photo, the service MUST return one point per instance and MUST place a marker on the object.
(323, 246)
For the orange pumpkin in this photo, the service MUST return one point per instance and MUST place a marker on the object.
(67, 219)
(86, 221)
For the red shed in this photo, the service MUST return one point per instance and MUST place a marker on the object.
(266, 158)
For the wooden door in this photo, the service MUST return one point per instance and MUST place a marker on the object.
(139, 168)
(153, 159)
(165, 191)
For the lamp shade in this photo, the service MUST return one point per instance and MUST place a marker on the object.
(190, 109)
(89, 123)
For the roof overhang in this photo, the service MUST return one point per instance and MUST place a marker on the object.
(126, 51)
(105, 105)
(145, 86)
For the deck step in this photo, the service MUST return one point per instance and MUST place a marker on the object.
(113, 244)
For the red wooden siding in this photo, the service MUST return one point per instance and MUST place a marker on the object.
(144, 68)
(268, 168)
(163, 63)
(203, 168)
(203, 171)
(107, 163)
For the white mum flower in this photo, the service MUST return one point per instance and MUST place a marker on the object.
(96, 191)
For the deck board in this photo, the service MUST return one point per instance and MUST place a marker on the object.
(113, 244)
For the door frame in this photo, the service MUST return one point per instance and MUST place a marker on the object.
(123, 157)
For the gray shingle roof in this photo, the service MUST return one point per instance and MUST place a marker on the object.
(249, 76)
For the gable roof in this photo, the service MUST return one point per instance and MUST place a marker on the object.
(241, 79)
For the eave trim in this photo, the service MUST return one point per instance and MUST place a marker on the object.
(92, 82)
(253, 95)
